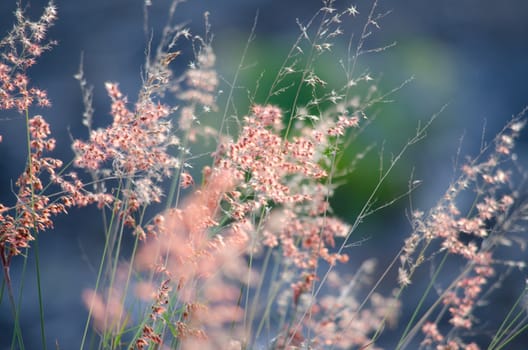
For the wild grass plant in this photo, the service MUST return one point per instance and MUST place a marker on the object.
(243, 253)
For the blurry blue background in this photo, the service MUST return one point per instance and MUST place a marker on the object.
(469, 54)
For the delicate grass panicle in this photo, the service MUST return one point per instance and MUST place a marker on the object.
(245, 257)
(19, 50)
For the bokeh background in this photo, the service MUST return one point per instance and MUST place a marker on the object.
(470, 55)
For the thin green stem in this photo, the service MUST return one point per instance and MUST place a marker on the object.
(98, 281)
(506, 324)
(39, 290)
(272, 295)
(405, 334)
(259, 290)
(2, 290)
(17, 333)
(513, 336)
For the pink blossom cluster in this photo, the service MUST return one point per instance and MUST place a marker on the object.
(261, 156)
(447, 225)
(201, 82)
(135, 146)
(19, 50)
(33, 210)
(268, 169)
(194, 265)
